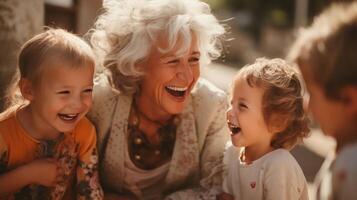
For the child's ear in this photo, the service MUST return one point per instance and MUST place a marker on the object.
(349, 99)
(277, 123)
(26, 89)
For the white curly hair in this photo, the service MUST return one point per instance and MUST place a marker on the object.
(124, 34)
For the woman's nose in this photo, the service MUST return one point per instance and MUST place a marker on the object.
(185, 72)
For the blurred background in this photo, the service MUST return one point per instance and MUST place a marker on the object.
(257, 28)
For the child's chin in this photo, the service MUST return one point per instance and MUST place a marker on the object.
(236, 143)
(68, 128)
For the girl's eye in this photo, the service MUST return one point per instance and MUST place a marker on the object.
(242, 105)
(63, 92)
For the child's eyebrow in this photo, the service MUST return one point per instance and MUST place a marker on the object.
(242, 99)
(239, 99)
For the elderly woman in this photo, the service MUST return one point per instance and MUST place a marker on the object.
(161, 129)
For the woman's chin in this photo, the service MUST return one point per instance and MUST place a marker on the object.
(174, 106)
(175, 109)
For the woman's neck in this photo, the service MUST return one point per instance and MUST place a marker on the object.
(150, 117)
(31, 123)
(150, 110)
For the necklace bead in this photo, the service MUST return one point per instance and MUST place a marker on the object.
(137, 157)
(138, 141)
(145, 154)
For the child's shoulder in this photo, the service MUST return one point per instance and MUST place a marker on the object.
(281, 159)
(7, 115)
(280, 164)
(84, 123)
(7, 119)
(8, 124)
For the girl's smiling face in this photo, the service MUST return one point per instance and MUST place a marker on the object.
(62, 98)
(245, 115)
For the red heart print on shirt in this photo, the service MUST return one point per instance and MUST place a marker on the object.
(252, 184)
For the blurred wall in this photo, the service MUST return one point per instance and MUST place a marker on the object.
(87, 13)
(19, 20)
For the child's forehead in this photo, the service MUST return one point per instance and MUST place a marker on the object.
(55, 69)
(242, 89)
(54, 62)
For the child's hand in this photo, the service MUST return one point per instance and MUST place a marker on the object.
(224, 196)
(43, 172)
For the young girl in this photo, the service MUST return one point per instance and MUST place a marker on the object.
(46, 145)
(266, 119)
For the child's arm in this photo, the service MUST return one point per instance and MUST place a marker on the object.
(7, 183)
(88, 186)
(42, 172)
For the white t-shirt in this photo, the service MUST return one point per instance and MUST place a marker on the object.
(274, 176)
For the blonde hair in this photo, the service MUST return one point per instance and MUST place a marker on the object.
(282, 100)
(329, 48)
(52, 46)
(45, 49)
(124, 34)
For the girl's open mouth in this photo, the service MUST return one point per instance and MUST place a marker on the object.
(68, 117)
(234, 128)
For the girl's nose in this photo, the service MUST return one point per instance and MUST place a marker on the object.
(229, 114)
(76, 103)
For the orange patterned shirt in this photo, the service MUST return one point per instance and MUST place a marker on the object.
(75, 152)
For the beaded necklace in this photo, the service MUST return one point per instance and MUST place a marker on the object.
(144, 154)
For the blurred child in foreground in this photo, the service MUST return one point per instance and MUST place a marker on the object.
(326, 54)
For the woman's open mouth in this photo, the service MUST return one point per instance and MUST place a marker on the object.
(176, 91)
(234, 128)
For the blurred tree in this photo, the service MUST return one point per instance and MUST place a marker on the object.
(216, 4)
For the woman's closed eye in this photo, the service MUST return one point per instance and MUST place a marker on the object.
(174, 61)
(194, 60)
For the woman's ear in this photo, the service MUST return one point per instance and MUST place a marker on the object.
(26, 89)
